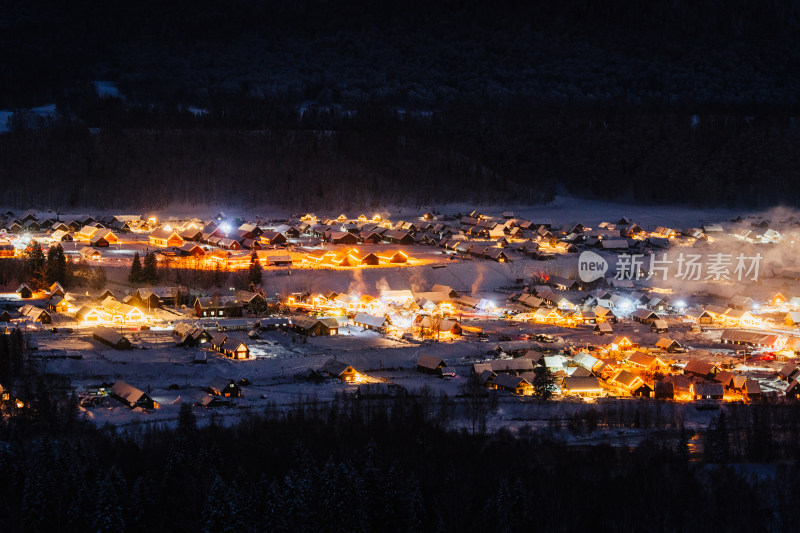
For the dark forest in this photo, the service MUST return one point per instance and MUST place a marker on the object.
(391, 466)
(314, 104)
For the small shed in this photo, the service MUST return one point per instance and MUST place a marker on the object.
(659, 326)
(112, 338)
(700, 316)
(603, 328)
(700, 369)
(789, 371)
(645, 316)
(752, 390)
(341, 370)
(668, 345)
(24, 291)
(430, 364)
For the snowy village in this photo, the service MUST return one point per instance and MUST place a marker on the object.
(399, 267)
(527, 309)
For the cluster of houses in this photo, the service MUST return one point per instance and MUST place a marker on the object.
(227, 241)
(219, 391)
(104, 308)
(567, 303)
(619, 369)
(33, 221)
(93, 232)
(138, 307)
(430, 313)
(354, 258)
(563, 302)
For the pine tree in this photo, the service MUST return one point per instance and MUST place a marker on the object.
(334, 497)
(37, 266)
(415, 514)
(544, 384)
(56, 264)
(51, 265)
(716, 446)
(142, 508)
(36, 500)
(217, 277)
(186, 436)
(81, 508)
(61, 266)
(275, 513)
(217, 512)
(150, 269)
(478, 405)
(36, 258)
(135, 275)
(254, 273)
(110, 511)
(40, 277)
(17, 352)
(258, 306)
(300, 509)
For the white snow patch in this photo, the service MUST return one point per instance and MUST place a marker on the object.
(107, 89)
(197, 111)
(5, 116)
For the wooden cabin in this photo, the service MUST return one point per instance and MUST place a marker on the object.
(430, 364)
(111, 338)
(218, 306)
(224, 387)
(230, 347)
(132, 397)
(706, 391)
(313, 326)
(514, 384)
(24, 291)
(165, 236)
(585, 386)
(340, 370)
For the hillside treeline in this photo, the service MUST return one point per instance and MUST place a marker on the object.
(328, 160)
(319, 104)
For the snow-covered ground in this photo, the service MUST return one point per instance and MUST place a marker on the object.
(107, 89)
(169, 374)
(43, 111)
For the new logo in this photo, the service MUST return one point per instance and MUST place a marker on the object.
(591, 266)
